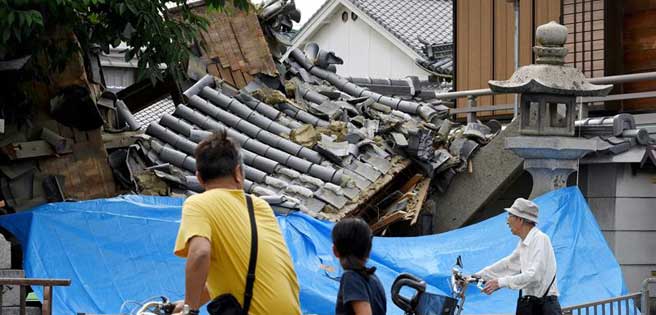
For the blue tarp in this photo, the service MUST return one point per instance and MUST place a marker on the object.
(120, 249)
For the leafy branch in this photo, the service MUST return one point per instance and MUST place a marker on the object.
(153, 35)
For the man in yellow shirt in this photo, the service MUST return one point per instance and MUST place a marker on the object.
(215, 237)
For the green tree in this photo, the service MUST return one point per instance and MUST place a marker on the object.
(153, 34)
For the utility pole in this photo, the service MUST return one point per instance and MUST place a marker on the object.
(516, 8)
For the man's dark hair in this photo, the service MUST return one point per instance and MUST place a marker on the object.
(352, 239)
(217, 156)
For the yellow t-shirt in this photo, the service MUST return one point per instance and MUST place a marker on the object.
(221, 216)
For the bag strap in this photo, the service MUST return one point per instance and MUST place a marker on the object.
(250, 276)
(545, 293)
(549, 288)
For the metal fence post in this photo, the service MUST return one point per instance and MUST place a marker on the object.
(471, 102)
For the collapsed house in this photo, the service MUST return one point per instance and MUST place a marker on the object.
(312, 140)
(318, 142)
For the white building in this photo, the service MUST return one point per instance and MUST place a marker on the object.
(383, 38)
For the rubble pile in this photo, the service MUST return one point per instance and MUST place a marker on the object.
(313, 141)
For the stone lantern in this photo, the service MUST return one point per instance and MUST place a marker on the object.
(547, 112)
(548, 88)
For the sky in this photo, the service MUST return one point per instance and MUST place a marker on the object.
(307, 8)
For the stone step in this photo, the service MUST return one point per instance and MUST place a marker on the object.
(15, 310)
(11, 293)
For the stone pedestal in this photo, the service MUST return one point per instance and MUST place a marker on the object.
(15, 310)
(550, 160)
(11, 293)
(5, 253)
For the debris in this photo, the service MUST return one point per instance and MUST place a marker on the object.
(399, 140)
(270, 96)
(306, 135)
(53, 186)
(420, 144)
(336, 151)
(60, 144)
(75, 107)
(150, 184)
(32, 149)
(387, 220)
(478, 132)
(417, 203)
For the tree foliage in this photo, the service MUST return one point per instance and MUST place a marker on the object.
(154, 35)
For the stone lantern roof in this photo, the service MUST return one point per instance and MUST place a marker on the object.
(549, 75)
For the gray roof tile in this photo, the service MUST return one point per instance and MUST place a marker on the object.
(431, 20)
(154, 112)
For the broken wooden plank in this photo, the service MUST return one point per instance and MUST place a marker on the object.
(412, 182)
(388, 219)
(365, 197)
(31, 149)
(414, 208)
(120, 140)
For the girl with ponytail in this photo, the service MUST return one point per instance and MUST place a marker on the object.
(360, 291)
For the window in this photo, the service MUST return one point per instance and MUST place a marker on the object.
(557, 114)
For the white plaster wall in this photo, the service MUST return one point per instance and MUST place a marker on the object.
(366, 53)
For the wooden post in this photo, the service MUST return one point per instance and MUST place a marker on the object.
(23, 309)
(47, 300)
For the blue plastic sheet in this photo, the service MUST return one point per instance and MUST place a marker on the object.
(120, 249)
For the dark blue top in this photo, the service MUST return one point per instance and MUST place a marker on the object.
(355, 286)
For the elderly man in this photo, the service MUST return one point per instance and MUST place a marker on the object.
(530, 268)
(215, 236)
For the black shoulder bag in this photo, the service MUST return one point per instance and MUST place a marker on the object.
(532, 305)
(227, 304)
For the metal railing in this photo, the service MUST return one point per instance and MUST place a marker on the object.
(621, 305)
(47, 284)
(631, 304)
(472, 95)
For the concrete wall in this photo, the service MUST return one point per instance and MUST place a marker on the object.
(624, 203)
(366, 53)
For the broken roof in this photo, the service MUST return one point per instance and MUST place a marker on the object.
(235, 47)
(326, 145)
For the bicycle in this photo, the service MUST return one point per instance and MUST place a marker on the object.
(152, 306)
(425, 303)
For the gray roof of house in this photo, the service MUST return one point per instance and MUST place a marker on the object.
(154, 112)
(622, 138)
(408, 20)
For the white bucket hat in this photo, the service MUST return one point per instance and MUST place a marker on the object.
(524, 208)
